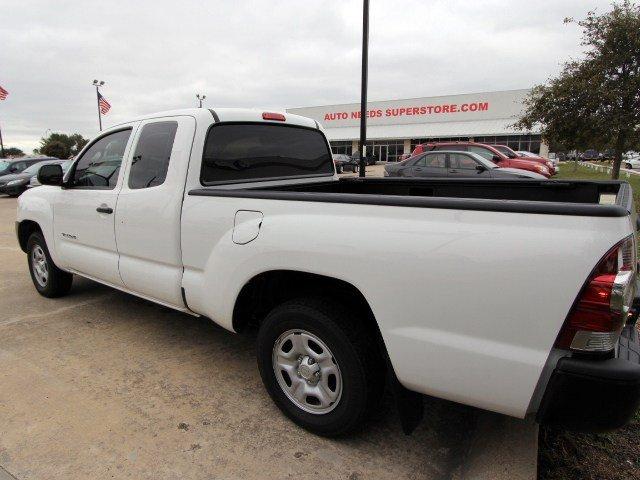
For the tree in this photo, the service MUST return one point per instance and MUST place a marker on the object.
(595, 101)
(71, 145)
(13, 152)
(55, 149)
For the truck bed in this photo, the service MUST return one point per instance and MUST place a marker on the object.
(556, 197)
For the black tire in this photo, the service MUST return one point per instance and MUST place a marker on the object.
(58, 282)
(339, 169)
(628, 165)
(353, 349)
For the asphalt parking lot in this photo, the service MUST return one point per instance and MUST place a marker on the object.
(101, 384)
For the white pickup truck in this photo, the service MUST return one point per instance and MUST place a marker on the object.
(443, 287)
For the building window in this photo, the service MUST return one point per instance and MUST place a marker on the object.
(342, 147)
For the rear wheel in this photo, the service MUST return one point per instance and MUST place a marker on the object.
(319, 366)
(48, 279)
(628, 165)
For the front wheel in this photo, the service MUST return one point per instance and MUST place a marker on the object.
(628, 165)
(48, 279)
(319, 367)
(339, 169)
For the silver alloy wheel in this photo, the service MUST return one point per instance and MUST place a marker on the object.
(307, 372)
(39, 265)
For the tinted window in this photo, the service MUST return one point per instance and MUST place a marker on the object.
(100, 165)
(236, 152)
(151, 158)
(485, 152)
(435, 160)
(462, 161)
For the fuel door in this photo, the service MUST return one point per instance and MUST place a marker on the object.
(246, 226)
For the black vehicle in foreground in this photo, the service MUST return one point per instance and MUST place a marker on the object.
(453, 164)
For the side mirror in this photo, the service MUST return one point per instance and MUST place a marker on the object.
(50, 175)
(480, 168)
(496, 158)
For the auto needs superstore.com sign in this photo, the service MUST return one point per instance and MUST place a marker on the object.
(481, 106)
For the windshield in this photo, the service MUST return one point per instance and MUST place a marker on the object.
(4, 164)
(505, 151)
(33, 169)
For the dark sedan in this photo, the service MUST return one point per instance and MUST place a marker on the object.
(344, 163)
(16, 165)
(454, 165)
(16, 183)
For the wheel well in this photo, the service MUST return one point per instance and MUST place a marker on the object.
(25, 229)
(267, 290)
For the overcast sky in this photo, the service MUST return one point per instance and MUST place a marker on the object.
(156, 55)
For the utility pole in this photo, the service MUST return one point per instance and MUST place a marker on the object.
(363, 93)
(200, 98)
(98, 84)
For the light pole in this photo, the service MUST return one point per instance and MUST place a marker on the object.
(98, 84)
(200, 98)
(363, 93)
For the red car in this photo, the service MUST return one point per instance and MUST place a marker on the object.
(512, 154)
(490, 153)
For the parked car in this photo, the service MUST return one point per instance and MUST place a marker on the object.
(16, 183)
(490, 153)
(369, 159)
(590, 155)
(454, 165)
(512, 154)
(345, 163)
(553, 158)
(17, 165)
(631, 160)
(65, 164)
(429, 286)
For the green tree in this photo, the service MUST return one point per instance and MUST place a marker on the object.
(71, 144)
(13, 152)
(55, 149)
(595, 101)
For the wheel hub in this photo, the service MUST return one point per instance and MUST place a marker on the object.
(309, 369)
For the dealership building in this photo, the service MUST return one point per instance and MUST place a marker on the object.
(395, 127)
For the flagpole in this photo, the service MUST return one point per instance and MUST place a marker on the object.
(1, 145)
(98, 84)
(363, 92)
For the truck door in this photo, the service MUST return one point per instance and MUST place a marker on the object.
(149, 209)
(84, 209)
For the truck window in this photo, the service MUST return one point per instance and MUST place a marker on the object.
(99, 166)
(236, 152)
(151, 159)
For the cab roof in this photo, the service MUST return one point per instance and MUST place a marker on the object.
(211, 115)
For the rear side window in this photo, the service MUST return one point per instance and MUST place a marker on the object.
(236, 152)
(151, 159)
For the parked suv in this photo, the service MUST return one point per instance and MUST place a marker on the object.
(532, 156)
(488, 152)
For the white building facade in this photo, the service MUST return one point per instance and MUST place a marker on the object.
(395, 127)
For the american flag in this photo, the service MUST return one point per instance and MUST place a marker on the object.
(103, 104)
(3, 93)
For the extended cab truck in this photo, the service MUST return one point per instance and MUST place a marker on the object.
(439, 284)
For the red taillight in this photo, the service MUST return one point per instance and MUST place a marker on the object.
(273, 116)
(601, 309)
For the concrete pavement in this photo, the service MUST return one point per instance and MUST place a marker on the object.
(101, 384)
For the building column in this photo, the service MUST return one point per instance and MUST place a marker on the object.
(354, 146)
(544, 149)
(407, 146)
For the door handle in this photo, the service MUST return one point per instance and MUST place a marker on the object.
(453, 171)
(418, 169)
(104, 209)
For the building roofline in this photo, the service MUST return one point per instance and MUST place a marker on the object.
(412, 98)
